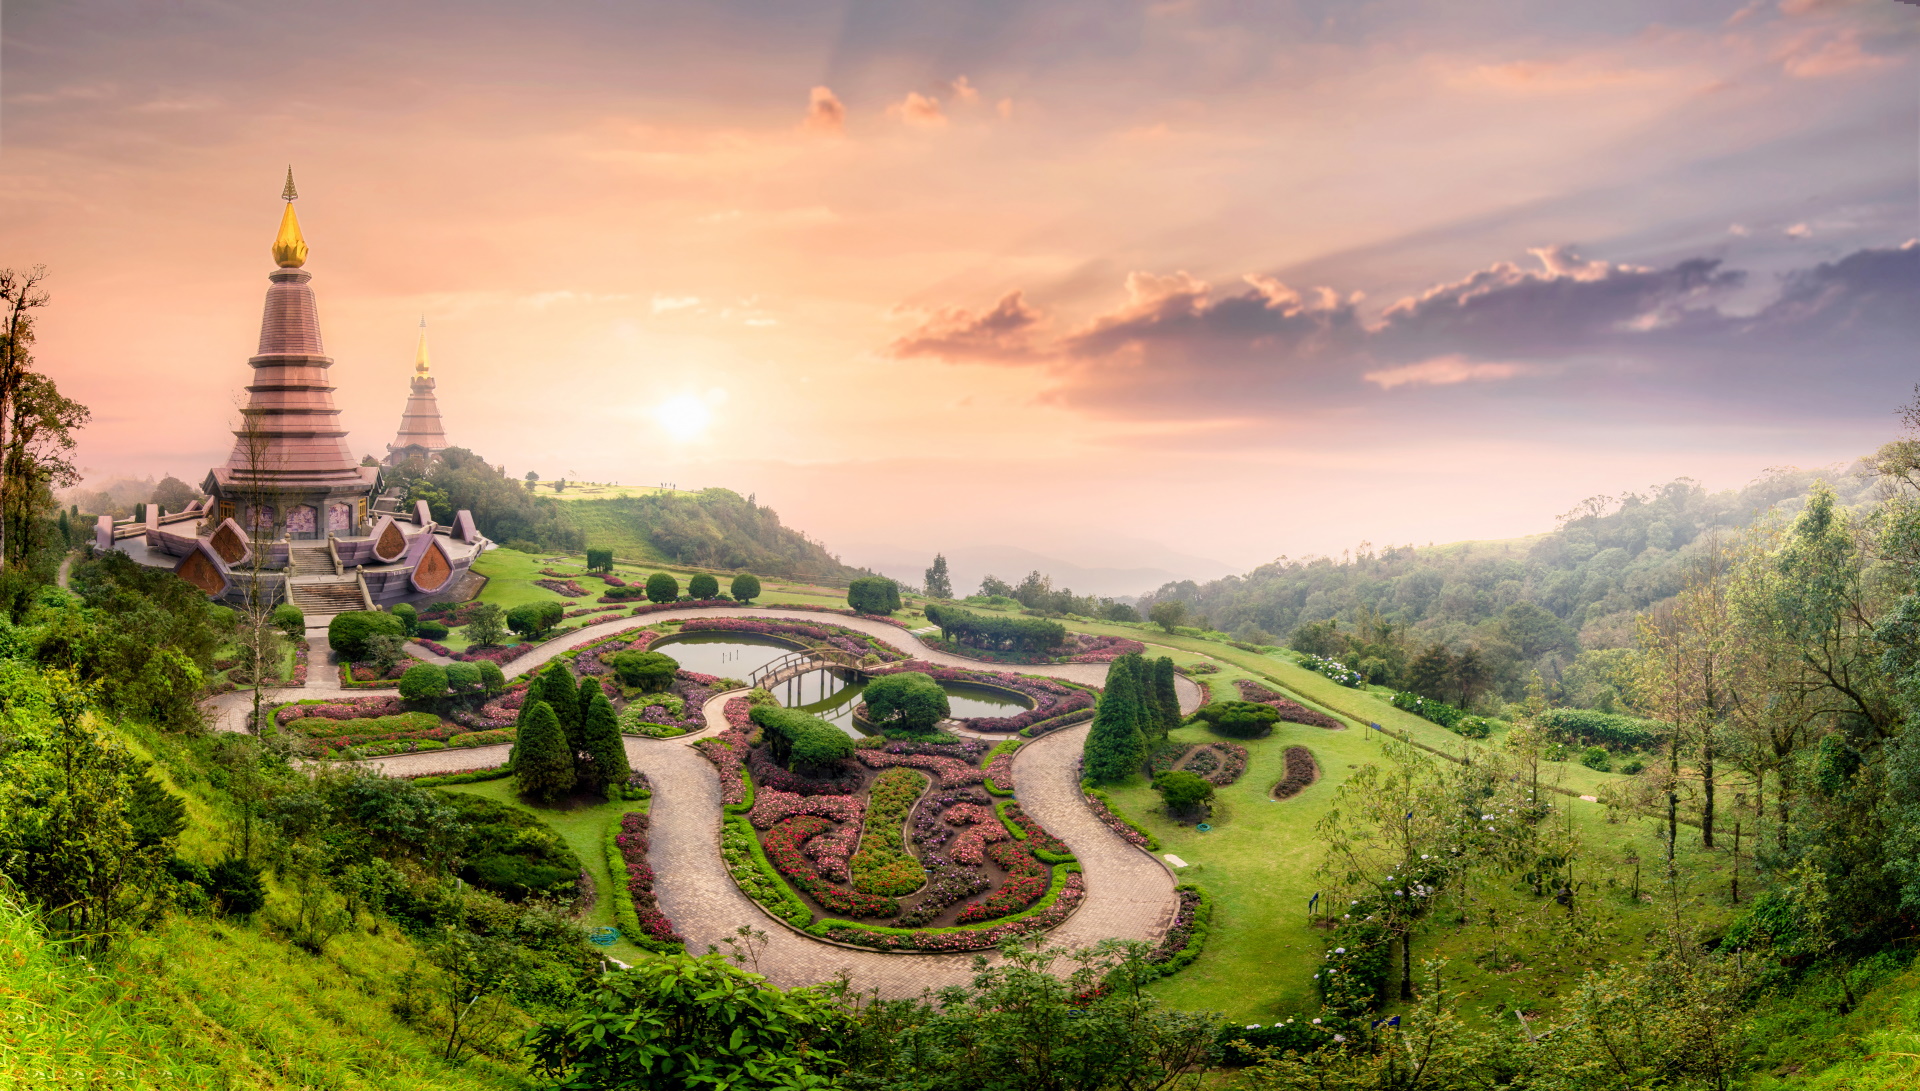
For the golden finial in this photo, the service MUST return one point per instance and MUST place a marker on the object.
(289, 249)
(420, 354)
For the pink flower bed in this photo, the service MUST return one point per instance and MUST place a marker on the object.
(498, 654)
(831, 851)
(1000, 770)
(1051, 699)
(587, 610)
(771, 806)
(728, 752)
(834, 636)
(346, 708)
(766, 775)
(837, 610)
(948, 772)
(568, 588)
(978, 939)
(1291, 711)
(632, 841)
(969, 845)
(1026, 882)
(1126, 832)
(1100, 649)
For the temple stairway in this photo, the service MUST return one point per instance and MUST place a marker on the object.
(313, 586)
(309, 560)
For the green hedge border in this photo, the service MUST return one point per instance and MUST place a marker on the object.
(1004, 747)
(1153, 843)
(474, 777)
(623, 912)
(1202, 928)
(1042, 855)
(820, 928)
(788, 905)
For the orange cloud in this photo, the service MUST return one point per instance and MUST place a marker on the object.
(964, 91)
(918, 109)
(1443, 371)
(1004, 333)
(1811, 54)
(825, 112)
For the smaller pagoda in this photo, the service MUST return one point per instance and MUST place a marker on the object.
(421, 435)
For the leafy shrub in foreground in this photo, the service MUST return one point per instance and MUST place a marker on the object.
(347, 633)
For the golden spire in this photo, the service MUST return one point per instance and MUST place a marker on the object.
(289, 249)
(420, 354)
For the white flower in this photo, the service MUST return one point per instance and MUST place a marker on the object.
(1337, 1037)
(1423, 856)
(1253, 1026)
(1316, 1022)
(1339, 950)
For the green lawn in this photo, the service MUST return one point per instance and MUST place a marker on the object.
(583, 825)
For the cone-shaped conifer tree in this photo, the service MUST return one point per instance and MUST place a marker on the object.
(1166, 697)
(555, 688)
(589, 689)
(1114, 746)
(608, 768)
(543, 766)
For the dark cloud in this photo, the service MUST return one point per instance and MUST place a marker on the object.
(1571, 330)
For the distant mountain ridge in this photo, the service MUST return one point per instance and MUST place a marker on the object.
(970, 564)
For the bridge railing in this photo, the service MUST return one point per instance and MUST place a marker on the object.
(801, 662)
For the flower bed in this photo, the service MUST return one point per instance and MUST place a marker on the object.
(1188, 934)
(586, 611)
(1334, 670)
(1079, 648)
(567, 588)
(1035, 835)
(1000, 768)
(1132, 834)
(1026, 881)
(883, 865)
(1056, 907)
(1301, 771)
(1291, 711)
(809, 634)
(1051, 699)
(647, 927)
(948, 772)
(783, 844)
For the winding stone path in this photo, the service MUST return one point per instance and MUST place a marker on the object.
(1129, 894)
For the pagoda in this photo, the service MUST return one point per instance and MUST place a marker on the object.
(420, 435)
(292, 516)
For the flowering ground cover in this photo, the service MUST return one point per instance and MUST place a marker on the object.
(565, 588)
(1301, 771)
(630, 845)
(1291, 711)
(900, 834)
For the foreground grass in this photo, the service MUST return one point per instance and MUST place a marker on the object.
(582, 823)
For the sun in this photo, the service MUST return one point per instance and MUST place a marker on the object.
(685, 417)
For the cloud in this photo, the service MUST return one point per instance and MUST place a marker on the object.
(1443, 371)
(1799, 231)
(1737, 229)
(918, 109)
(826, 114)
(1005, 333)
(1634, 335)
(665, 304)
(964, 91)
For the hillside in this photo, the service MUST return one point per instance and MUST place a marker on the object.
(1537, 602)
(713, 528)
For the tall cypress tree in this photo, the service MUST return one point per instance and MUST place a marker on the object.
(556, 690)
(543, 767)
(608, 766)
(589, 689)
(1165, 695)
(1115, 748)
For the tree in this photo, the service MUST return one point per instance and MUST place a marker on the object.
(464, 679)
(542, 759)
(20, 295)
(174, 495)
(1114, 747)
(532, 478)
(408, 616)
(600, 560)
(290, 621)
(556, 689)
(906, 701)
(1239, 719)
(662, 587)
(746, 587)
(703, 586)
(347, 633)
(648, 671)
(1166, 698)
(873, 595)
(678, 1021)
(424, 682)
(492, 679)
(606, 768)
(1471, 676)
(1431, 673)
(939, 582)
(1182, 792)
(1169, 614)
(486, 625)
(534, 619)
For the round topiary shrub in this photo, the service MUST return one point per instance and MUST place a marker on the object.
(1238, 719)
(1597, 759)
(703, 586)
(649, 671)
(463, 678)
(535, 618)
(662, 587)
(746, 587)
(408, 616)
(873, 595)
(288, 619)
(1183, 793)
(432, 630)
(492, 678)
(907, 701)
(424, 682)
(347, 633)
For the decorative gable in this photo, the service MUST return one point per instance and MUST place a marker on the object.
(231, 544)
(434, 569)
(203, 568)
(389, 541)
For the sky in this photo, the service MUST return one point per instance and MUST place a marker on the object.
(1184, 285)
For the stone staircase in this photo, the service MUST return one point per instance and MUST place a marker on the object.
(305, 559)
(320, 599)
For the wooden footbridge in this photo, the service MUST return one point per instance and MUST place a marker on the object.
(794, 664)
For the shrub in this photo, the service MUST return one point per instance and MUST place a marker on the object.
(424, 682)
(648, 671)
(408, 616)
(1633, 766)
(873, 595)
(1183, 792)
(535, 618)
(235, 887)
(1597, 759)
(288, 619)
(662, 587)
(907, 701)
(1238, 719)
(486, 623)
(462, 678)
(492, 678)
(703, 586)
(347, 633)
(746, 587)
(433, 630)
(1115, 747)
(993, 632)
(1475, 727)
(600, 737)
(1586, 727)
(802, 743)
(600, 559)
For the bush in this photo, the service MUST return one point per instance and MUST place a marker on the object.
(288, 619)
(492, 678)
(599, 560)
(432, 630)
(235, 887)
(1475, 727)
(647, 670)
(408, 616)
(1238, 719)
(1597, 759)
(802, 743)
(1585, 727)
(424, 682)
(1183, 792)
(462, 678)
(991, 631)
(1633, 766)
(703, 586)
(873, 595)
(746, 587)
(908, 701)
(347, 633)
(542, 759)
(662, 587)
(535, 618)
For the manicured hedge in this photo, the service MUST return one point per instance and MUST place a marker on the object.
(1027, 634)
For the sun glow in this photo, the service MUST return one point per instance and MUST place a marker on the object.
(685, 417)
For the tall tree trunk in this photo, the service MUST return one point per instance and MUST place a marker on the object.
(1706, 782)
(1406, 961)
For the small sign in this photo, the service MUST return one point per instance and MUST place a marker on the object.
(1175, 860)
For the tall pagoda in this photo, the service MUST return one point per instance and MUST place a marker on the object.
(290, 470)
(420, 434)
